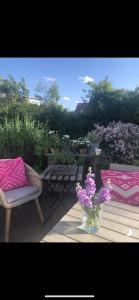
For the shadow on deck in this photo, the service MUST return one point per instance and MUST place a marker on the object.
(25, 223)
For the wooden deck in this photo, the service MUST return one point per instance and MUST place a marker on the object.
(118, 221)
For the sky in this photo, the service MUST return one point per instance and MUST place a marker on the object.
(71, 74)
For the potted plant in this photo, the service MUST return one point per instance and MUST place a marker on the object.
(94, 141)
(92, 202)
(81, 144)
(66, 143)
(53, 141)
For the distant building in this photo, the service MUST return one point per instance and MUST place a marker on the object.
(35, 101)
(81, 107)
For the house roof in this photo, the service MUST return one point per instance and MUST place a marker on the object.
(80, 107)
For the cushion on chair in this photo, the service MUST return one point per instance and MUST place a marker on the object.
(19, 193)
(12, 173)
(125, 185)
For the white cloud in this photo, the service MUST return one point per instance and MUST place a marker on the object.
(50, 78)
(66, 98)
(86, 79)
(77, 102)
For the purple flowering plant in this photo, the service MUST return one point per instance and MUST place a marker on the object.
(120, 141)
(87, 196)
(92, 202)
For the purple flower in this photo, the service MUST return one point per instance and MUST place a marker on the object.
(103, 195)
(86, 196)
(119, 140)
(81, 194)
(87, 201)
(90, 185)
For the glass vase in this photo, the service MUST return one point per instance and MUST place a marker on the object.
(91, 218)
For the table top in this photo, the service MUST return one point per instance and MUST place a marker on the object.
(60, 172)
(120, 223)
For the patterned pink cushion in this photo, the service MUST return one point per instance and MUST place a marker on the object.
(125, 185)
(12, 173)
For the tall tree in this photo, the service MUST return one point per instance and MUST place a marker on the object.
(53, 93)
(40, 90)
(23, 89)
(13, 91)
(48, 94)
(102, 85)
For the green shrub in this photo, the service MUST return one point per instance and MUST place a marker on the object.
(62, 158)
(53, 139)
(23, 138)
(81, 161)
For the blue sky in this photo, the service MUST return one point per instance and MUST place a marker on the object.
(72, 73)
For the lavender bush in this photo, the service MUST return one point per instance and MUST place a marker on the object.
(120, 141)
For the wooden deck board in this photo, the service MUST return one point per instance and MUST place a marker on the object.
(116, 204)
(110, 216)
(124, 206)
(121, 228)
(106, 223)
(122, 212)
(115, 236)
(54, 237)
(115, 225)
(75, 233)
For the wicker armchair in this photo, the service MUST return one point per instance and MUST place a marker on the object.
(19, 196)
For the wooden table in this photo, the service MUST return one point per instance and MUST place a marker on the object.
(118, 220)
(61, 178)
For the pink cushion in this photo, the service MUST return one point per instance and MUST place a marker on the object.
(125, 185)
(12, 174)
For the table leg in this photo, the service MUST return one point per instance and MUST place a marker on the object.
(44, 190)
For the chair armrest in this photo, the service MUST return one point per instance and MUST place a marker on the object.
(33, 176)
(3, 201)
